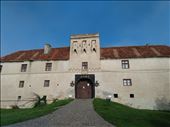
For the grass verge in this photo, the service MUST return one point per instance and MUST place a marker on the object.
(10, 116)
(124, 116)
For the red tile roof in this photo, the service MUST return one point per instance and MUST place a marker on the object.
(38, 54)
(135, 52)
(105, 53)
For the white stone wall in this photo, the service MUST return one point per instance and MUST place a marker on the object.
(90, 56)
(34, 78)
(150, 81)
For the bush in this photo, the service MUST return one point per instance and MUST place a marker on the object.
(40, 101)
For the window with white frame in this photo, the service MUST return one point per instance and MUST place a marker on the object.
(46, 83)
(125, 64)
(23, 67)
(21, 84)
(127, 82)
(48, 67)
(84, 65)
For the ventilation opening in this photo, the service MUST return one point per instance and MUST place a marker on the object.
(75, 50)
(84, 50)
(115, 95)
(19, 98)
(94, 49)
(131, 95)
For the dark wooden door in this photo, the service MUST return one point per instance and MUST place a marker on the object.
(84, 90)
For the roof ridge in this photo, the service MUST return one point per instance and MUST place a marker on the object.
(38, 49)
(135, 46)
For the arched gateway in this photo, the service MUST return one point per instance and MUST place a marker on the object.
(84, 87)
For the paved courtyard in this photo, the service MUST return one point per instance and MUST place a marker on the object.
(79, 113)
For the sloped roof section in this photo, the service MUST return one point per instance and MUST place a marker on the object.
(105, 53)
(135, 52)
(38, 54)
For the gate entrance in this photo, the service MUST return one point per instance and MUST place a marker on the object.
(84, 87)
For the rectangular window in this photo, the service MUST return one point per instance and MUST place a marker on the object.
(84, 65)
(115, 95)
(23, 67)
(46, 83)
(131, 95)
(127, 82)
(21, 84)
(125, 64)
(19, 98)
(0, 68)
(48, 67)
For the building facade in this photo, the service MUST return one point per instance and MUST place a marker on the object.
(137, 76)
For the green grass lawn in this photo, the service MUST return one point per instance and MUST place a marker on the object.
(124, 116)
(10, 116)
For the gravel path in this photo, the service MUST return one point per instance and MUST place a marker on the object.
(79, 113)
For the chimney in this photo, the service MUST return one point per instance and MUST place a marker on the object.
(47, 48)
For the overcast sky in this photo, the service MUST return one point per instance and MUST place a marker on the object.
(29, 25)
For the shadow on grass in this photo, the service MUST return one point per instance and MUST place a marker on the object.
(124, 116)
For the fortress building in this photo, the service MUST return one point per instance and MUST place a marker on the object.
(137, 76)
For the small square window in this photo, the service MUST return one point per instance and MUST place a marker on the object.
(127, 82)
(115, 95)
(19, 98)
(125, 64)
(46, 83)
(21, 84)
(84, 65)
(23, 67)
(131, 95)
(48, 67)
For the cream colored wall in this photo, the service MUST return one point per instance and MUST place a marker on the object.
(150, 81)
(34, 78)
